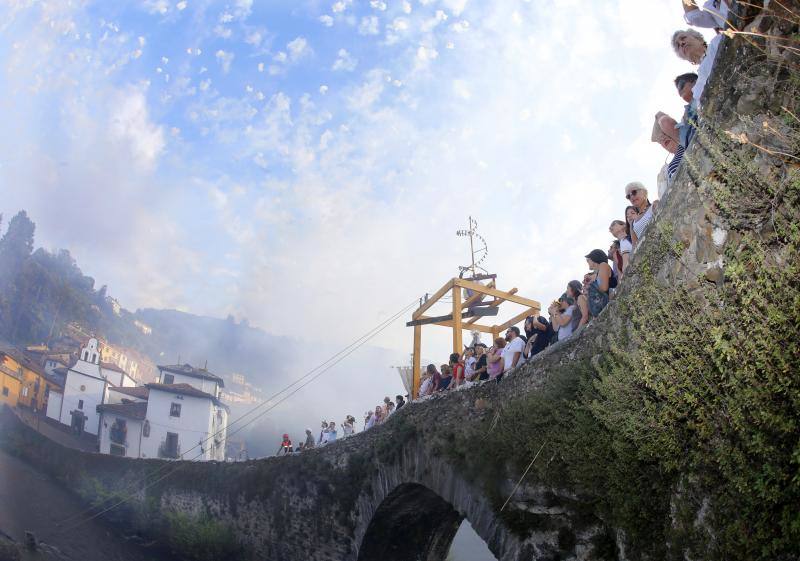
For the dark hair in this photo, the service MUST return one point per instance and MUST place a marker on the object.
(681, 80)
(576, 287)
(597, 256)
(514, 328)
(454, 357)
(431, 369)
(627, 224)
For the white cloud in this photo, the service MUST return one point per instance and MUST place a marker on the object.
(130, 124)
(298, 48)
(224, 59)
(156, 6)
(254, 38)
(181, 5)
(368, 26)
(340, 6)
(326, 20)
(344, 61)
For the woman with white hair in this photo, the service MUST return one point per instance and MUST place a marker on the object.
(666, 133)
(691, 46)
(636, 193)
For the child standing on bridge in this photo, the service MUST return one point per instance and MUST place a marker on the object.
(286, 446)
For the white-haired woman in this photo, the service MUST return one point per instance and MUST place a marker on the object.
(666, 133)
(636, 193)
(691, 46)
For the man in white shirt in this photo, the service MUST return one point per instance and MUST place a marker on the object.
(512, 352)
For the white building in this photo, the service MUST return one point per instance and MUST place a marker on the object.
(199, 378)
(85, 387)
(175, 420)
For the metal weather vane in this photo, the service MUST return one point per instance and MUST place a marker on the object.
(478, 251)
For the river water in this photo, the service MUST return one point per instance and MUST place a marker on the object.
(33, 501)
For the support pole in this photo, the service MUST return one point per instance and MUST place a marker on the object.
(415, 362)
(457, 346)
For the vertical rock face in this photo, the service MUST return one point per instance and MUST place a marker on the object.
(654, 435)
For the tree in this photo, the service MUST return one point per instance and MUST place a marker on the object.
(16, 246)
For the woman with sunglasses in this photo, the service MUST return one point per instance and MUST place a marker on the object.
(636, 193)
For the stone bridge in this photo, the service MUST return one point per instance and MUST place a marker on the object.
(616, 418)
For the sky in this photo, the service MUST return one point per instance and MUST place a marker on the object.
(306, 164)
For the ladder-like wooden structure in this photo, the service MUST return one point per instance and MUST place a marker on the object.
(461, 320)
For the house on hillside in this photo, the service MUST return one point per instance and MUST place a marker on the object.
(199, 378)
(85, 387)
(180, 417)
(23, 381)
(137, 365)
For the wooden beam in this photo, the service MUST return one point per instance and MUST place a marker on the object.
(466, 327)
(497, 301)
(518, 318)
(497, 293)
(415, 361)
(457, 348)
(433, 299)
(478, 313)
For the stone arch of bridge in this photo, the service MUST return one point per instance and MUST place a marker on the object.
(413, 506)
(412, 522)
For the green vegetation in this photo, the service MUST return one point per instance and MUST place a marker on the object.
(200, 538)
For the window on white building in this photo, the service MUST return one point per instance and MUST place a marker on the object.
(167, 379)
(80, 404)
(175, 410)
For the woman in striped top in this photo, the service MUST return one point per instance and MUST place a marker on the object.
(636, 193)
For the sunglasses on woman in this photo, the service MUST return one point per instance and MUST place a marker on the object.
(631, 194)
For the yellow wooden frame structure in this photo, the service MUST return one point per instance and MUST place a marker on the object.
(455, 286)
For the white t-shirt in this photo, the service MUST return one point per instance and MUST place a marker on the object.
(713, 14)
(426, 387)
(565, 331)
(625, 245)
(469, 367)
(515, 346)
(704, 70)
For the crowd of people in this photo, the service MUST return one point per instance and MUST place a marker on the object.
(583, 299)
(329, 433)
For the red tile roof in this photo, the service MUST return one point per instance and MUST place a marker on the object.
(111, 366)
(139, 391)
(189, 370)
(135, 410)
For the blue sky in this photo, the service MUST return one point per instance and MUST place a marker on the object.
(306, 164)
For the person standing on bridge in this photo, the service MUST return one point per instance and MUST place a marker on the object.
(494, 359)
(285, 447)
(457, 367)
(309, 439)
(512, 352)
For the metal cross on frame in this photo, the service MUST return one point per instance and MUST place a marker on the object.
(466, 314)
